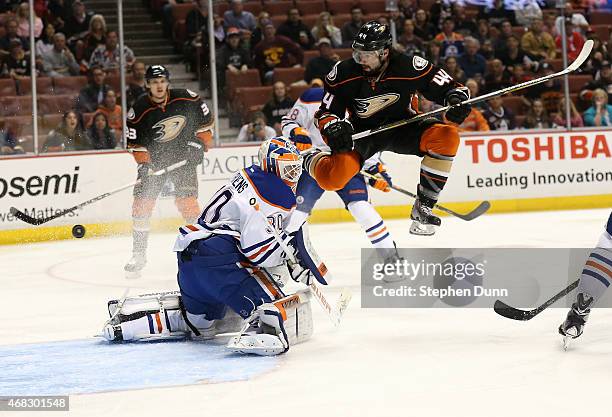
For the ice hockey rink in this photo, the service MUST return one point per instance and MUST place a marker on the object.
(379, 362)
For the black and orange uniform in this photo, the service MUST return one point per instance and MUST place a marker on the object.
(162, 134)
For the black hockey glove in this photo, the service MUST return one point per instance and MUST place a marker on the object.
(195, 153)
(458, 114)
(338, 135)
(144, 170)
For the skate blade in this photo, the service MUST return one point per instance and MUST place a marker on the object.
(420, 229)
(566, 342)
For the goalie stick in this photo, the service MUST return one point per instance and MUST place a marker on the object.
(477, 212)
(580, 59)
(333, 312)
(38, 221)
(510, 312)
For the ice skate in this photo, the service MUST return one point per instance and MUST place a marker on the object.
(423, 221)
(135, 265)
(392, 258)
(573, 326)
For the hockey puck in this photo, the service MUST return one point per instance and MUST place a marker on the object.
(78, 231)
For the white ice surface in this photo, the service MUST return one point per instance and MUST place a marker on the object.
(434, 362)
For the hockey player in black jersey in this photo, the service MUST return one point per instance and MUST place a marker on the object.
(376, 87)
(164, 127)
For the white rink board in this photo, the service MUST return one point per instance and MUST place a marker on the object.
(72, 179)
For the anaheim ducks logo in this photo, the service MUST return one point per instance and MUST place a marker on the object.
(366, 107)
(168, 129)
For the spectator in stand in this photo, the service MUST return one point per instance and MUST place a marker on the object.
(167, 18)
(45, 43)
(496, 12)
(471, 61)
(575, 41)
(498, 78)
(505, 33)
(78, 22)
(575, 117)
(196, 18)
(137, 85)
(92, 95)
(278, 106)
(598, 55)
(256, 130)
(600, 113)
(17, 64)
(463, 25)
(320, 66)
(538, 43)
(232, 56)
(257, 34)
(451, 42)
(11, 28)
(60, 12)
(100, 133)
(59, 62)
(499, 117)
(107, 56)
(238, 18)
(578, 22)
(549, 92)
(422, 27)
(519, 75)
(95, 37)
(23, 22)
(512, 56)
(454, 70)
(603, 80)
(537, 117)
(325, 28)
(408, 8)
(474, 88)
(350, 28)
(8, 143)
(275, 51)
(408, 42)
(433, 53)
(526, 11)
(475, 122)
(483, 29)
(294, 29)
(69, 135)
(487, 50)
(111, 109)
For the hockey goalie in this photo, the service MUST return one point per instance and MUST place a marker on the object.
(232, 266)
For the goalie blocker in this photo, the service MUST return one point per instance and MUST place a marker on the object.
(270, 330)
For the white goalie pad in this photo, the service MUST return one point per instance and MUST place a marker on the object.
(274, 327)
(155, 316)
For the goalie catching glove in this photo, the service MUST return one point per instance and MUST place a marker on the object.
(456, 96)
(383, 182)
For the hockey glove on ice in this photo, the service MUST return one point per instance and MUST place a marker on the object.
(458, 114)
(337, 134)
(301, 138)
(384, 182)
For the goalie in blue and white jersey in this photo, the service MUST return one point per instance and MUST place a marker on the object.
(298, 125)
(231, 258)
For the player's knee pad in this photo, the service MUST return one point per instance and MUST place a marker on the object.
(142, 207)
(440, 139)
(334, 171)
(188, 207)
(274, 327)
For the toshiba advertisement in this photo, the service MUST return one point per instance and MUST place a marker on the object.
(531, 165)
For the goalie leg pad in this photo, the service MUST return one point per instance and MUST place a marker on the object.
(273, 327)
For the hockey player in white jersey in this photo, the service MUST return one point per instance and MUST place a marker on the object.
(232, 258)
(298, 125)
(595, 279)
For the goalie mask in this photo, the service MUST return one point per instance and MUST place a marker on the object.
(280, 156)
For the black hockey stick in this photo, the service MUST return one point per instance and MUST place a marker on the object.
(477, 212)
(507, 311)
(580, 59)
(38, 221)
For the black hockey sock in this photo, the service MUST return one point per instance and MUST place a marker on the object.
(434, 173)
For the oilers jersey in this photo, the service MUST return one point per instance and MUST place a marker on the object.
(246, 209)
